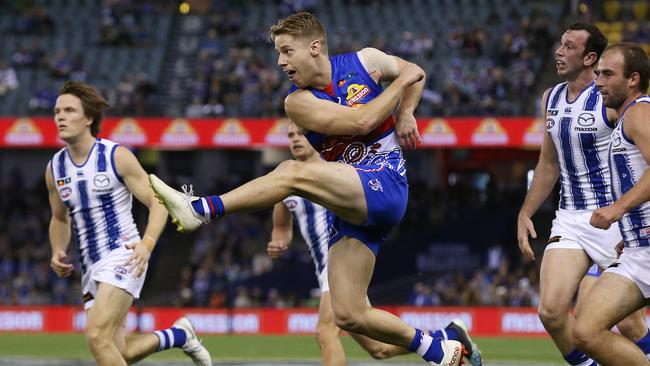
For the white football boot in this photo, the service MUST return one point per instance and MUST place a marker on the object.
(452, 353)
(473, 354)
(193, 347)
(178, 204)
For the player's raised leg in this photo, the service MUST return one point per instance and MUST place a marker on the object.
(335, 186)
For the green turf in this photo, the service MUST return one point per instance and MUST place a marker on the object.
(73, 346)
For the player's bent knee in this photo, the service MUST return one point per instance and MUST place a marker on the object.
(583, 335)
(326, 333)
(551, 317)
(98, 340)
(292, 172)
(347, 320)
(633, 327)
(379, 352)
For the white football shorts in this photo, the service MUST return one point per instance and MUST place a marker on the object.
(111, 270)
(634, 264)
(571, 230)
(322, 280)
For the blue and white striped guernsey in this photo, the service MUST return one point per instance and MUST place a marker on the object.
(98, 200)
(314, 222)
(628, 165)
(580, 132)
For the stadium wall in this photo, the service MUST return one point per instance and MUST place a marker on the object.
(181, 133)
(481, 321)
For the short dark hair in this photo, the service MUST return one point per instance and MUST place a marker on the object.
(634, 60)
(92, 102)
(596, 42)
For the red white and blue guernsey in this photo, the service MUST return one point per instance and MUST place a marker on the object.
(377, 156)
(352, 87)
(98, 200)
(628, 165)
(580, 132)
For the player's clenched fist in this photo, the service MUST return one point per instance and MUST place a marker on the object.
(58, 265)
(603, 217)
(276, 248)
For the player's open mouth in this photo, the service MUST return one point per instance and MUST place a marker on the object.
(559, 63)
(291, 73)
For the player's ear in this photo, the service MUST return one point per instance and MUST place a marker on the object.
(315, 47)
(634, 80)
(591, 59)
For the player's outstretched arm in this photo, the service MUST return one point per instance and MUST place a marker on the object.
(282, 233)
(137, 181)
(330, 118)
(638, 130)
(59, 228)
(546, 174)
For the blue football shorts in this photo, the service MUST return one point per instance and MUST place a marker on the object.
(386, 194)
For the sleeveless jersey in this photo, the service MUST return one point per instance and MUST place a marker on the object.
(98, 201)
(352, 87)
(580, 132)
(628, 165)
(314, 222)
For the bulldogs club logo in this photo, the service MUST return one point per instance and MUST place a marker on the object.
(375, 185)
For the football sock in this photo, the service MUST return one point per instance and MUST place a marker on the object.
(577, 358)
(444, 334)
(426, 346)
(209, 207)
(170, 338)
(644, 344)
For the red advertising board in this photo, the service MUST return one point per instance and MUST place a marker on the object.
(181, 133)
(483, 321)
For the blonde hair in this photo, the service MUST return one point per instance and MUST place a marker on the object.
(300, 25)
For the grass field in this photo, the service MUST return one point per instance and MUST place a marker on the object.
(43, 349)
